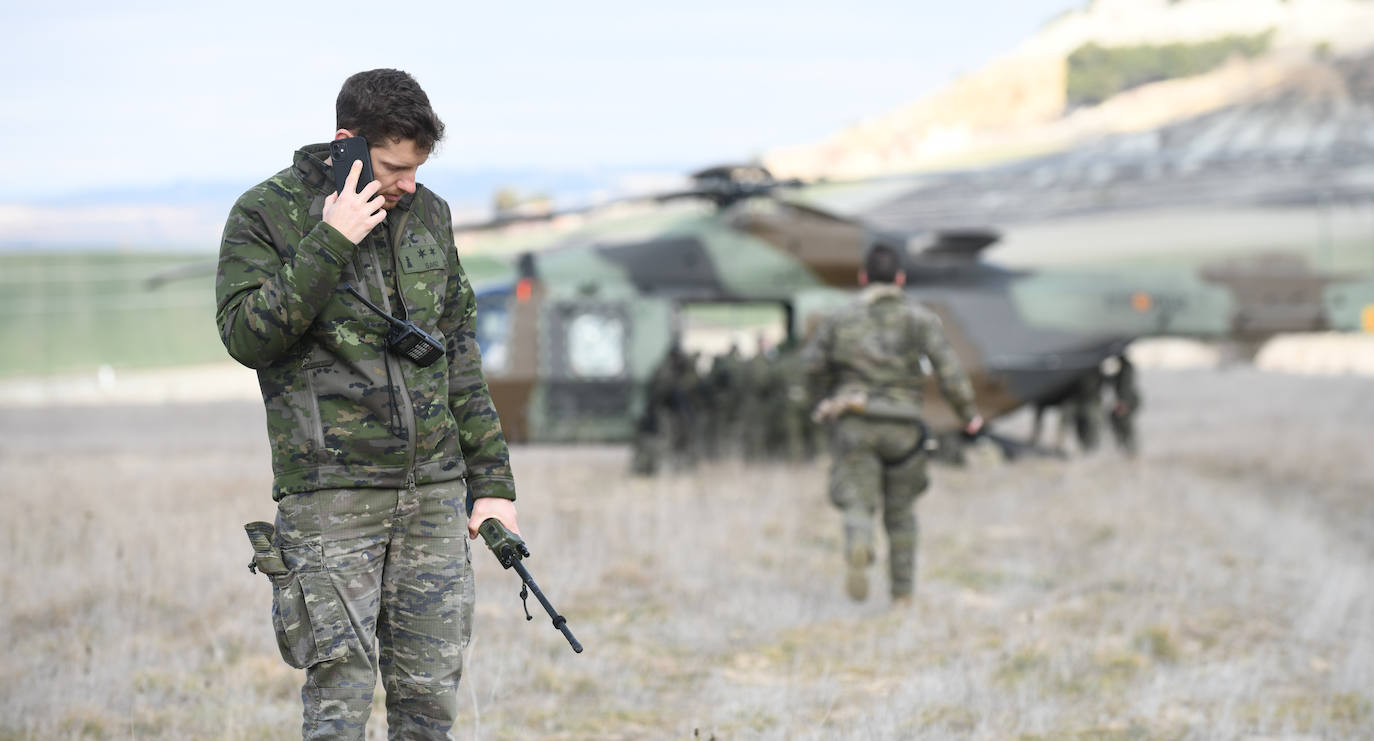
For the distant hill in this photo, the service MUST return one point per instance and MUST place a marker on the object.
(1163, 61)
(190, 216)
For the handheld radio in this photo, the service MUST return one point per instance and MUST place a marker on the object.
(405, 338)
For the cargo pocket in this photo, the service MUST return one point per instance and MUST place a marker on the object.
(310, 622)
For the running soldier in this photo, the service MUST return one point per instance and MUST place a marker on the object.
(866, 361)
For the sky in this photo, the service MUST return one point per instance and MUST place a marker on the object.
(110, 96)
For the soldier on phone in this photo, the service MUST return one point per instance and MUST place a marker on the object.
(384, 462)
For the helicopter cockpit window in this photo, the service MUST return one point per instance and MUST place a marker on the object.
(596, 346)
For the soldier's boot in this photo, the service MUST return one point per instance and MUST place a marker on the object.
(858, 558)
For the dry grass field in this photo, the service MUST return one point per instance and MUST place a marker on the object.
(1220, 587)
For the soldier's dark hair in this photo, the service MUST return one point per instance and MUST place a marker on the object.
(882, 263)
(383, 105)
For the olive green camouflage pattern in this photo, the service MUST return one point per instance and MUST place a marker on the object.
(669, 433)
(880, 348)
(756, 385)
(796, 432)
(878, 465)
(363, 564)
(342, 412)
(725, 380)
(754, 408)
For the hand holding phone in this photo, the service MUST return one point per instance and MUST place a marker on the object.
(343, 153)
(354, 208)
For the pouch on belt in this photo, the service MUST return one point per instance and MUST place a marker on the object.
(266, 556)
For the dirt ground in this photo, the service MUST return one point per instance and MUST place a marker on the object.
(1219, 587)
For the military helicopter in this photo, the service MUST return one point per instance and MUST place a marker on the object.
(575, 314)
(573, 325)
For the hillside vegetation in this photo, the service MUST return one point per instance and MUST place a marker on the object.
(1096, 73)
(1100, 69)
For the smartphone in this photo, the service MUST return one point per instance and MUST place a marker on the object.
(343, 152)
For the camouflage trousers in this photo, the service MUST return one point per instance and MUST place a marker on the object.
(798, 440)
(873, 467)
(378, 579)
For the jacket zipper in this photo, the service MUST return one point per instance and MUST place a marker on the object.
(407, 408)
(317, 422)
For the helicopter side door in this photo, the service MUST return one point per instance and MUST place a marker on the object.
(595, 355)
(507, 318)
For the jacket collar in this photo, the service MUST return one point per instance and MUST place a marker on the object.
(878, 291)
(311, 165)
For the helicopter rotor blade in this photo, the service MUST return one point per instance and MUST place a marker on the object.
(180, 272)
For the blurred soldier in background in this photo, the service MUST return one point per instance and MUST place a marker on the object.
(644, 448)
(1038, 424)
(709, 414)
(687, 405)
(1079, 411)
(1120, 378)
(1084, 409)
(666, 432)
(702, 401)
(794, 427)
(865, 362)
(724, 378)
(755, 389)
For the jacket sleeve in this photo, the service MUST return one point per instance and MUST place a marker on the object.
(954, 382)
(479, 427)
(270, 285)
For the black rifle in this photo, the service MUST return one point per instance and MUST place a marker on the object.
(1012, 448)
(509, 548)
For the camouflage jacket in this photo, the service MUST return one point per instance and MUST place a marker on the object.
(878, 345)
(342, 411)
